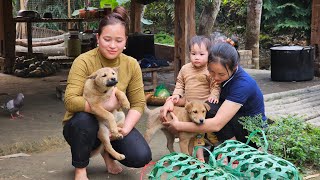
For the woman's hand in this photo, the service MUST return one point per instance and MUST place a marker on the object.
(167, 107)
(124, 131)
(173, 124)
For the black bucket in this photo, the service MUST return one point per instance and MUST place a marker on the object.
(292, 63)
(139, 45)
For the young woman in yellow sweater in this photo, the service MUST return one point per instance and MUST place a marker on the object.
(80, 126)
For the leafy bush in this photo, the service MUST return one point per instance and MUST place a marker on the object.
(232, 15)
(161, 13)
(254, 123)
(164, 38)
(265, 41)
(290, 138)
(295, 140)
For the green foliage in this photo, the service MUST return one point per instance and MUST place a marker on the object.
(295, 140)
(164, 38)
(161, 13)
(265, 41)
(232, 15)
(254, 123)
(113, 3)
(290, 138)
(57, 8)
(291, 17)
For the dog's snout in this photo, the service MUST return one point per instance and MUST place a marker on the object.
(201, 121)
(112, 82)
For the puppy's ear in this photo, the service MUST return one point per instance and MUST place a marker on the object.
(116, 69)
(92, 76)
(207, 106)
(188, 106)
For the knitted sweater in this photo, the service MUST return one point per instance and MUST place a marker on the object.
(195, 83)
(129, 80)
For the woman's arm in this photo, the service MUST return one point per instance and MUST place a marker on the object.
(131, 120)
(225, 113)
(73, 99)
(136, 97)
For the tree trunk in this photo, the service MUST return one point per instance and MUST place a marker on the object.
(208, 17)
(254, 10)
(315, 34)
(135, 16)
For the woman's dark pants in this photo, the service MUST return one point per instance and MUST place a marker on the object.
(232, 129)
(81, 134)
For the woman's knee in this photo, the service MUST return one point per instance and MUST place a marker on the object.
(139, 158)
(84, 121)
(81, 124)
(135, 148)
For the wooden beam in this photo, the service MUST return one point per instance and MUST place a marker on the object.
(184, 29)
(10, 37)
(315, 34)
(135, 16)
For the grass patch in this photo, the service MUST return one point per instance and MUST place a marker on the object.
(47, 143)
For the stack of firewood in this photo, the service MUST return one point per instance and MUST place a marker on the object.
(34, 67)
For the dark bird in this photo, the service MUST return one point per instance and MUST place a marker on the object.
(13, 106)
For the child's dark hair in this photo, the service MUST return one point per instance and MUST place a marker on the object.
(199, 40)
(118, 15)
(225, 54)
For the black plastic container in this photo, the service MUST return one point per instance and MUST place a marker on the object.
(139, 45)
(292, 63)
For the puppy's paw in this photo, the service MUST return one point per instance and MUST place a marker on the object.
(120, 157)
(126, 105)
(116, 136)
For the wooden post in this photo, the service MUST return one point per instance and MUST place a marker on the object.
(315, 34)
(1, 33)
(29, 38)
(10, 36)
(135, 16)
(183, 31)
(69, 14)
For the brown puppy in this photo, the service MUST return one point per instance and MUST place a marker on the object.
(97, 90)
(194, 111)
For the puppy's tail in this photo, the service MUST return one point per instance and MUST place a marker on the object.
(146, 109)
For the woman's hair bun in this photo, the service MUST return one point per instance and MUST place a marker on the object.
(122, 12)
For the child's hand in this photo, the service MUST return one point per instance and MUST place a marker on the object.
(175, 98)
(213, 99)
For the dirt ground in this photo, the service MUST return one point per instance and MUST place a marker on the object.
(41, 108)
(42, 120)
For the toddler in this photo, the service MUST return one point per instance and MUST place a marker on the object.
(195, 83)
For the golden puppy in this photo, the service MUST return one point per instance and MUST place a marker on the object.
(194, 111)
(97, 90)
